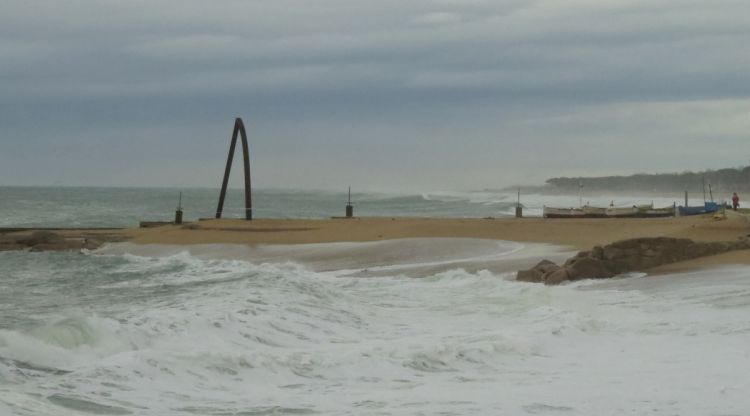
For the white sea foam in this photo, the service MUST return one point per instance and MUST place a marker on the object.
(414, 257)
(216, 336)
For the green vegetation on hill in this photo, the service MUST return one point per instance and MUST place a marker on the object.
(722, 180)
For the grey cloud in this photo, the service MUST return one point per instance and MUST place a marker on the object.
(469, 92)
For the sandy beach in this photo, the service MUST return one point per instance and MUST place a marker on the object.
(562, 235)
(574, 234)
(577, 233)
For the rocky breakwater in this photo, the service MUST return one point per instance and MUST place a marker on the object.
(624, 256)
(47, 241)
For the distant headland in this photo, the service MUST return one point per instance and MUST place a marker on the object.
(722, 181)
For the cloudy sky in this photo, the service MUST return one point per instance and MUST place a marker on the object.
(383, 95)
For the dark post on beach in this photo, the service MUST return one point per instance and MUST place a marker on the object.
(519, 208)
(239, 127)
(349, 207)
(178, 211)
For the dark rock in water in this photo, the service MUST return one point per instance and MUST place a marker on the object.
(529, 275)
(588, 268)
(610, 253)
(61, 246)
(73, 244)
(556, 277)
(40, 237)
(626, 256)
(10, 245)
(92, 243)
(546, 266)
(536, 273)
(597, 253)
(580, 255)
(48, 241)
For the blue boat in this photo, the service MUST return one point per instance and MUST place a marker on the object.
(707, 208)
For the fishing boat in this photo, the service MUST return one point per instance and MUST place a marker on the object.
(594, 212)
(658, 212)
(549, 212)
(707, 208)
(582, 212)
(620, 212)
(625, 212)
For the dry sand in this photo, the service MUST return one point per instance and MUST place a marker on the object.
(577, 233)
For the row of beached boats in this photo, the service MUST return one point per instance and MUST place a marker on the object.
(586, 211)
(636, 211)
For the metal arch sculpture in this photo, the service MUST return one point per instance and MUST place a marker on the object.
(239, 127)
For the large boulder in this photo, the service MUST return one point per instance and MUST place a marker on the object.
(556, 277)
(8, 244)
(40, 237)
(580, 255)
(588, 268)
(611, 253)
(44, 240)
(624, 256)
(597, 252)
(536, 273)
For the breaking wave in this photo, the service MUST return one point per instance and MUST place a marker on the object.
(186, 335)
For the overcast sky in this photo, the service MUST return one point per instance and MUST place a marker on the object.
(382, 95)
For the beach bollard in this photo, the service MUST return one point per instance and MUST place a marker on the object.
(178, 211)
(519, 207)
(349, 207)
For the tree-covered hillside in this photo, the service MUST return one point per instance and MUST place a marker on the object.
(722, 180)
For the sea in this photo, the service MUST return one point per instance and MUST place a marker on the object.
(226, 330)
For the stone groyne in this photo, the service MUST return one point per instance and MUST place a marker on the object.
(625, 256)
(61, 240)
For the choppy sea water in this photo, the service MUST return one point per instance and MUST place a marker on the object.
(183, 335)
(185, 332)
(125, 207)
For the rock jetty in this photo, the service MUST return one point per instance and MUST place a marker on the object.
(624, 256)
(47, 241)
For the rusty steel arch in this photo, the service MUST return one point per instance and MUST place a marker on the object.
(239, 128)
